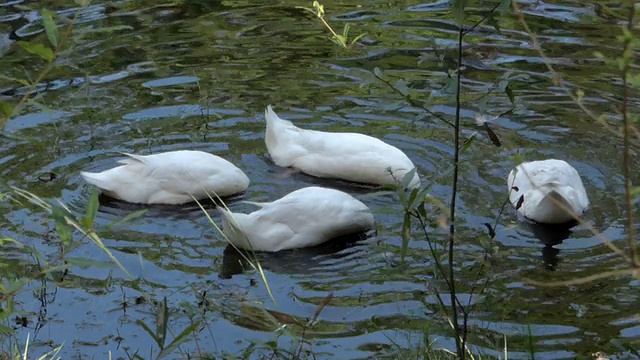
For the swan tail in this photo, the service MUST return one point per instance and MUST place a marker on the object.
(229, 221)
(258, 204)
(97, 179)
(276, 127)
(131, 158)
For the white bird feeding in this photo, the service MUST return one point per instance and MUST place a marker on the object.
(547, 191)
(339, 155)
(174, 177)
(303, 218)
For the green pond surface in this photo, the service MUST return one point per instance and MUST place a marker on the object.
(145, 77)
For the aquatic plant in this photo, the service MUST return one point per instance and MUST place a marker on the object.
(317, 9)
(57, 41)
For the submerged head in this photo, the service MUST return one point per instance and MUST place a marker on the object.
(553, 204)
(232, 228)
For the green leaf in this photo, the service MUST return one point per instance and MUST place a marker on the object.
(518, 158)
(345, 31)
(406, 180)
(422, 210)
(378, 73)
(5, 330)
(357, 38)
(63, 228)
(50, 27)
(340, 40)
(503, 86)
(468, 142)
(6, 109)
(412, 198)
(406, 235)
(64, 232)
(92, 209)
(15, 286)
(162, 322)
(419, 198)
(179, 339)
(19, 81)
(509, 93)
(319, 8)
(149, 331)
(492, 135)
(59, 268)
(634, 79)
(37, 49)
(307, 9)
(129, 217)
(6, 240)
(402, 197)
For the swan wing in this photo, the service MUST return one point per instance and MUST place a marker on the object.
(529, 184)
(172, 177)
(311, 216)
(349, 156)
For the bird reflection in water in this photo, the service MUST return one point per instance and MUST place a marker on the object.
(188, 211)
(550, 235)
(297, 261)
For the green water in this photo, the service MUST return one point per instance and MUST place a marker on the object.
(146, 77)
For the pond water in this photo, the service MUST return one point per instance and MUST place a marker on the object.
(146, 77)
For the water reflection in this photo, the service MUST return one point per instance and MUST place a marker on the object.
(550, 235)
(121, 209)
(305, 261)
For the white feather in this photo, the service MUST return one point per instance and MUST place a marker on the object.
(170, 178)
(348, 156)
(303, 218)
(541, 190)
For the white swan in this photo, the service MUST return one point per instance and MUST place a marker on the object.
(170, 178)
(303, 218)
(542, 190)
(348, 156)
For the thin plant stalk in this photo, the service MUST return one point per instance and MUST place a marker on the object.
(461, 337)
(627, 55)
(254, 264)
